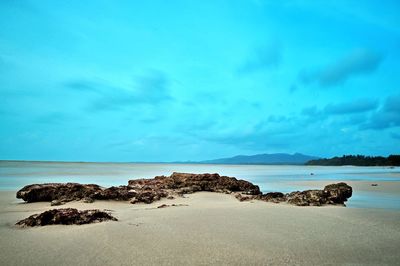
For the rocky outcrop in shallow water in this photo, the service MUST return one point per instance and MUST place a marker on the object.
(334, 194)
(178, 184)
(331, 194)
(66, 216)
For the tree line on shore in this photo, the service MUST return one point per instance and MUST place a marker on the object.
(358, 160)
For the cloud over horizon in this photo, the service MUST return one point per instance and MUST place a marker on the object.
(150, 88)
(388, 116)
(357, 63)
(355, 106)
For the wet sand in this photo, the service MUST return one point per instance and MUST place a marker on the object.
(388, 187)
(213, 229)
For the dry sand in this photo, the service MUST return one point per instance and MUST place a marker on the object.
(213, 229)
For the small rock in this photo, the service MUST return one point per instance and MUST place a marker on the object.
(275, 197)
(66, 216)
(241, 197)
(88, 200)
(56, 203)
(172, 205)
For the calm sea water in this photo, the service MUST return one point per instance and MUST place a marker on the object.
(284, 178)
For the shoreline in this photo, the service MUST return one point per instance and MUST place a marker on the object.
(397, 167)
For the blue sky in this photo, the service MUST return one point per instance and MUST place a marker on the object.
(192, 80)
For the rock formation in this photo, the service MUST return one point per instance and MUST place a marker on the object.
(140, 190)
(177, 184)
(57, 192)
(66, 216)
(334, 194)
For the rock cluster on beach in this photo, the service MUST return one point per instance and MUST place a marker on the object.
(66, 216)
(334, 194)
(177, 184)
(139, 190)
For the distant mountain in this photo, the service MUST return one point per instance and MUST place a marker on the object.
(274, 158)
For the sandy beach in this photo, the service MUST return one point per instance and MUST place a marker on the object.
(208, 229)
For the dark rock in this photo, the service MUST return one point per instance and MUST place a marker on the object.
(242, 197)
(140, 190)
(60, 193)
(149, 195)
(88, 200)
(66, 216)
(336, 194)
(57, 191)
(189, 183)
(56, 202)
(188, 190)
(275, 197)
(149, 190)
(172, 205)
(374, 185)
(306, 198)
(115, 193)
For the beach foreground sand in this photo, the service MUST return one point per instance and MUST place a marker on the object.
(208, 228)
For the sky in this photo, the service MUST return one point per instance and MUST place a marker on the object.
(196, 80)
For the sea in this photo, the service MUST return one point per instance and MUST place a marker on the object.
(284, 178)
